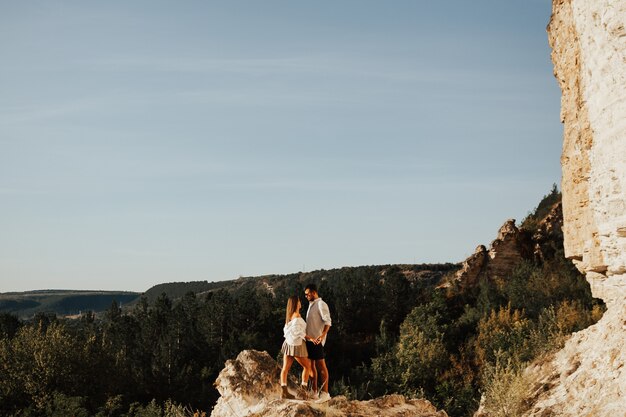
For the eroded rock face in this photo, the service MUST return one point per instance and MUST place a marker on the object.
(249, 386)
(506, 251)
(588, 39)
(246, 383)
(472, 267)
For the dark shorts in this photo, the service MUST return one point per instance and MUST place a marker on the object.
(316, 352)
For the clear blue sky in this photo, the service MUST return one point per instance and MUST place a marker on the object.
(145, 142)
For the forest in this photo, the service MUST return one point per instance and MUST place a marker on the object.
(160, 358)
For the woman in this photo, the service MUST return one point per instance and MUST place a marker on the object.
(294, 348)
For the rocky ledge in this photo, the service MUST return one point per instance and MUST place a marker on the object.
(249, 386)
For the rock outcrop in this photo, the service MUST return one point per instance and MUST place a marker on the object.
(471, 269)
(505, 252)
(249, 387)
(508, 249)
(588, 40)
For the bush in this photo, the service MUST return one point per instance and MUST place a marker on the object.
(504, 333)
(63, 406)
(168, 409)
(505, 387)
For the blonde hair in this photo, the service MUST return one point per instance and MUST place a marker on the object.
(292, 307)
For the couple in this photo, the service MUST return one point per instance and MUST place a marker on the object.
(311, 353)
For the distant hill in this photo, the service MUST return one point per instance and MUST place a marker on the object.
(423, 274)
(61, 302)
(175, 290)
(71, 302)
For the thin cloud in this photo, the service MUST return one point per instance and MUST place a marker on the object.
(285, 66)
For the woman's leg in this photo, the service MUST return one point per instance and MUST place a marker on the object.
(287, 361)
(303, 390)
(306, 368)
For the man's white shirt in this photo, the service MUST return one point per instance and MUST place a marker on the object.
(317, 316)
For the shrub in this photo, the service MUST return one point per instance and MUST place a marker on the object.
(505, 387)
(63, 406)
(504, 332)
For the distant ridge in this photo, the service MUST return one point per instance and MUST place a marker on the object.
(73, 302)
(176, 290)
(425, 273)
(61, 302)
(62, 291)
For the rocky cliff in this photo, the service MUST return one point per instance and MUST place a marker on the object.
(505, 252)
(588, 40)
(508, 249)
(249, 386)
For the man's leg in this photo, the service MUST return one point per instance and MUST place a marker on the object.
(313, 379)
(320, 364)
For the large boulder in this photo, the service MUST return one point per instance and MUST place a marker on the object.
(249, 386)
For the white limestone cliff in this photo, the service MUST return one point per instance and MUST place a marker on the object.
(588, 40)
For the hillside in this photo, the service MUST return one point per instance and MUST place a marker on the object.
(417, 274)
(175, 290)
(73, 302)
(61, 302)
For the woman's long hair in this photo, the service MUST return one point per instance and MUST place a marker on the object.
(292, 307)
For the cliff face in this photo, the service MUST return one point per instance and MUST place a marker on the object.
(249, 386)
(588, 39)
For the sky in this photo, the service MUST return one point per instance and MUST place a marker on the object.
(152, 141)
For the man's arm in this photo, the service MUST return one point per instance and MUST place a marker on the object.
(323, 335)
(325, 313)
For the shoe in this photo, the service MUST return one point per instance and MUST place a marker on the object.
(303, 393)
(324, 396)
(285, 395)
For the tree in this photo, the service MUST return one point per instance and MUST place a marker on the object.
(9, 325)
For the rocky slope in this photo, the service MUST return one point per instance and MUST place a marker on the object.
(588, 39)
(249, 386)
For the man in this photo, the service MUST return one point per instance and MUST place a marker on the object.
(318, 323)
